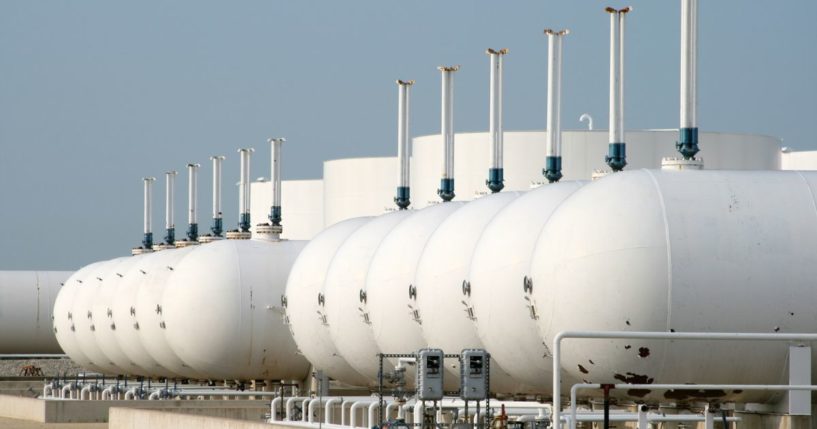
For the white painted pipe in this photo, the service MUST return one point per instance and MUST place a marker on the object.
(553, 160)
(290, 405)
(418, 412)
(48, 390)
(66, 391)
(170, 187)
(390, 408)
(495, 128)
(446, 190)
(304, 409)
(147, 242)
(689, 63)
(355, 407)
(313, 405)
(273, 409)
(85, 393)
(616, 129)
(403, 197)
(588, 118)
(217, 212)
(192, 201)
(327, 411)
(275, 175)
(131, 394)
(155, 395)
(244, 190)
(371, 415)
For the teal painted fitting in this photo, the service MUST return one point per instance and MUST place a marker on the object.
(688, 142)
(170, 236)
(193, 231)
(496, 179)
(147, 240)
(218, 226)
(275, 215)
(244, 223)
(446, 191)
(553, 168)
(403, 198)
(617, 156)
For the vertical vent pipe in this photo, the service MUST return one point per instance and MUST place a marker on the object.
(688, 138)
(244, 191)
(170, 223)
(553, 157)
(147, 239)
(192, 202)
(496, 179)
(403, 197)
(617, 151)
(275, 174)
(446, 191)
(218, 215)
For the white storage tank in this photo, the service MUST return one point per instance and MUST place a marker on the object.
(304, 301)
(356, 187)
(442, 284)
(502, 304)
(691, 251)
(149, 311)
(83, 317)
(65, 322)
(222, 310)
(345, 294)
(389, 285)
(102, 308)
(124, 317)
(26, 309)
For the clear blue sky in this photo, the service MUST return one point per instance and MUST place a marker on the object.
(96, 94)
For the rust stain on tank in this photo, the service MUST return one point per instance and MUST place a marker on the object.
(632, 378)
(628, 347)
(583, 370)
(643, 352)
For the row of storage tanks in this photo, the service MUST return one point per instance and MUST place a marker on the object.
(645, 250)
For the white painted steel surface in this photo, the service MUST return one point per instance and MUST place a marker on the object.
(218, 160)
(495, 106)
(245, 155)
(616, 127)
(391, 273)
(361, 187)
(170, 199)
(223, 314)
(404, 131)
(689, 63)
(441, 272)
(447, 118)
(82, 311)
(695, 251)
(156, 268)
(27, 300)
(102, 308)
(345, 308)
(554, 97)
(65, 323)
(192, 193)
(504, 320)
(124, 311)
(148, 201)
(302, 213)
(303, 308)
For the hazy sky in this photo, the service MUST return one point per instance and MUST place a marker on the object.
(96, 94)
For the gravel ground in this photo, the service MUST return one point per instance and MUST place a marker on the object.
(50, 367)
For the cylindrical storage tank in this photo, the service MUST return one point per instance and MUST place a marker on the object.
(26, 307)
(691, 251)
(356, 187)
(390, 299)
(148, 312)
(223, 314)
(304, 301)
(345, 294)
(65, 323)
(124, 316)
(102, 308)
(504, 312)
(83, 316)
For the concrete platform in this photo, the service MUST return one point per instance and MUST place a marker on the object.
(73, 411)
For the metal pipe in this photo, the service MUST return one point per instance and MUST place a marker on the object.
(553, 156)
(403, 197)
(355, 406)
(734, 336)
(218, 225)
(290, 404)
(244, 190)
(496, 179)
(275, 176)
(446, 191)
(688, 142)
(147, 240)
(170, 224)
(192, 202)
(617, 154)
(327, 409)
(588, 118)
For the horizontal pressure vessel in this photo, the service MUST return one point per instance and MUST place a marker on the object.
(223, 315)
(26, 308)
(345, 294)
(688, 251)
(84, 318)
(304, 301)
(443, 290)
(102, 309)
(503, 307)
(65, 322)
